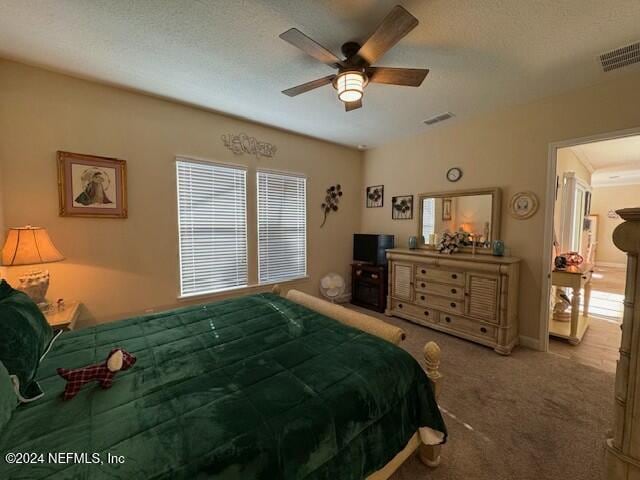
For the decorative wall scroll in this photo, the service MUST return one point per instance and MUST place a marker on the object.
(243, 143)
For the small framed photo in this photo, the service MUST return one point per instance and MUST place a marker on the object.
(91, 186)
(375, 196)
(402, 207)
(446, 209)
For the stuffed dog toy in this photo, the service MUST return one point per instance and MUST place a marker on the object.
(104, 373)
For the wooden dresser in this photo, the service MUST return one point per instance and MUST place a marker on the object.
(471, 296)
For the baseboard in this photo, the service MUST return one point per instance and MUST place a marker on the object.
(611, 264)
(530, 342)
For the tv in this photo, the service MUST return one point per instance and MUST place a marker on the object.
(370, 248)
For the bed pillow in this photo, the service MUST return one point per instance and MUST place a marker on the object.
(26, 338)
(8, 399)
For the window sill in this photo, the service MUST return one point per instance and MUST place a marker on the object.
(256, 288)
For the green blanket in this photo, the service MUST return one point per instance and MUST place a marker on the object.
(254, 387)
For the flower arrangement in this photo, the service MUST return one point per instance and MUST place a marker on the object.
(452, 242)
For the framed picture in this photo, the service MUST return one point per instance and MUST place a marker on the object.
(446, 209)
(375, 196)
(402, 207)
(91, 186)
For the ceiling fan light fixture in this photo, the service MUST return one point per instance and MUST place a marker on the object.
(350, 86)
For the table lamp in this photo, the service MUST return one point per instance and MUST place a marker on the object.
(31, 246)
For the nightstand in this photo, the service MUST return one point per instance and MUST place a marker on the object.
(63, 319)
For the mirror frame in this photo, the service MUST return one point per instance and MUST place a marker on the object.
(496, 213)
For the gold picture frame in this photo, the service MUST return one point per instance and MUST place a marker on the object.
(91, 186)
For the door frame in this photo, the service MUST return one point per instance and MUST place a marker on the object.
(550, 196)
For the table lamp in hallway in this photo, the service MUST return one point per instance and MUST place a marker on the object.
(31, 246)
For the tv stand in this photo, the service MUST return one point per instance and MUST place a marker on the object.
(369, 286)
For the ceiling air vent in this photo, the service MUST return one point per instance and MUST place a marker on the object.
(621, 57)
(439, 118)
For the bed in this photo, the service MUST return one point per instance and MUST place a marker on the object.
(260, 387)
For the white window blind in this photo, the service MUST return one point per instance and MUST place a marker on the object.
(212, 223)
(282, 226)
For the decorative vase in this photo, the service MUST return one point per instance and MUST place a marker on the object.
(413, 242)
(498, 248)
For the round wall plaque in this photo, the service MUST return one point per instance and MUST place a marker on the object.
(523, 205)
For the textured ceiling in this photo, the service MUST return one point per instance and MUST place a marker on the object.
(613, 162)
(226, 55)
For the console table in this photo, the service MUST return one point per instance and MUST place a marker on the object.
(575, 278)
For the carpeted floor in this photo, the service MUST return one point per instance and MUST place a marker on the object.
(531, 415)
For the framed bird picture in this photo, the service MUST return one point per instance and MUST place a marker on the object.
(91, 186)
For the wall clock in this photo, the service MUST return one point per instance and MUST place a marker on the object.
(454, 174)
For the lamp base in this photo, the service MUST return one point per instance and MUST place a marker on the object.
(35, 284)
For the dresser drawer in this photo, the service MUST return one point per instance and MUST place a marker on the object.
(468, 326)
(421, 271)
(443, 276)
(424, 315)
(450, 291)
(442, 303)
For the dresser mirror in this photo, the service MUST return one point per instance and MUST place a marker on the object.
(474, 212)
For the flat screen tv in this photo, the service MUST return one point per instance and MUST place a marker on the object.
(370, 248)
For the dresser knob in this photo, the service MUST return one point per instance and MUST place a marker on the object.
(447, 319)
(483, 330)
(399, 305)
(426, 313)
(423, 271)
(421, 297)
(374, 276)
(422, 285)
(453, 290)
(358, 272)
(453, 305)
(454, 276)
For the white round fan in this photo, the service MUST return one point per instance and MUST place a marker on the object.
(332, 286)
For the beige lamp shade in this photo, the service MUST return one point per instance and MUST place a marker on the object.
(29, 246)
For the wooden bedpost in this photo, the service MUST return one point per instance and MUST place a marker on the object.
(275, 289)
(623, 448)
(430, 454)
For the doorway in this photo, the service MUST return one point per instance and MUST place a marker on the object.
(589, 180)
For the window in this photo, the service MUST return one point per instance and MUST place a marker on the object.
(282, 226)
(428, 218)
(212, 223)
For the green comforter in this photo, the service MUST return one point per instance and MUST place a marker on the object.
(255, 387)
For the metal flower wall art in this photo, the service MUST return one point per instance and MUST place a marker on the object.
(243, 143)
(334, 192)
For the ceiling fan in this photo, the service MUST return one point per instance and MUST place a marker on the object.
(355, 71)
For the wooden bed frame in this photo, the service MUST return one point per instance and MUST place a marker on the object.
(428, 454)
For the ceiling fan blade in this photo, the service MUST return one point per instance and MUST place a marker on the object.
(396, 25)
(298, 39)
(348, 106)
(408, 77)
(305, 87)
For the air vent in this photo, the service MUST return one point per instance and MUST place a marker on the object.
(621, 57)
(439, 118)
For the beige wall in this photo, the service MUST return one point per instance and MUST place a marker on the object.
(117, 267)
(603, 200)
(508, 149)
